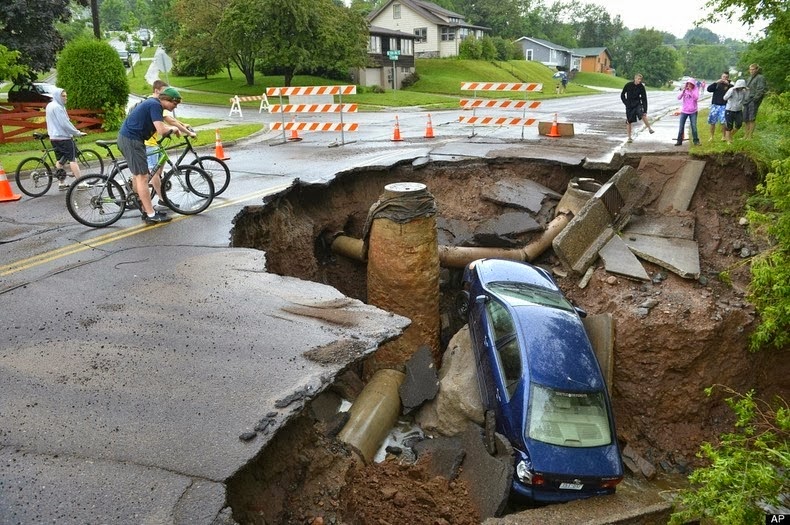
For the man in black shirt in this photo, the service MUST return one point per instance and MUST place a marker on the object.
(717, 103)
(634, 97)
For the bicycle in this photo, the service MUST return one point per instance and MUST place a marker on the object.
(216, 167)
(100, 200)
(34, 175)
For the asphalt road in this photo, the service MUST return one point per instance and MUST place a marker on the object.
(134, 357)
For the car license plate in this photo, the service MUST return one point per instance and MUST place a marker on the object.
(571, 486)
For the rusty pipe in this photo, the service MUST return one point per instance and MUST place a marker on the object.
(460, 256)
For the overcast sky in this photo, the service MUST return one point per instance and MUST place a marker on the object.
(672, 16)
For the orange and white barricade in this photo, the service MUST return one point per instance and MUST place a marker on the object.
(325, 93)
(235, 104)
(507, 104)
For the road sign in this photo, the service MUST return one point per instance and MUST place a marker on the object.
(393, 54)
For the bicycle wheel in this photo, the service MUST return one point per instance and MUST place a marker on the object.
(96, 201)
(187, 189)
(217, 169)
(90, 162)
(33, 177)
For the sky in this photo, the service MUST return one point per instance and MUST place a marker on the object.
(672, 16)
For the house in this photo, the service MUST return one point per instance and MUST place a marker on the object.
(594, 59)
(390, 59)
(545, 52)
(438, 32)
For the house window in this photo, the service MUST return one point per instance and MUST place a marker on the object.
(394, 43)
(530, 53)
(406, 47)
(421, 33)
(464, 32)
(395, 11)
(448, 33)
(374, 44)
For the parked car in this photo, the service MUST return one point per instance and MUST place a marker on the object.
(145, 36)
(31, 92)
(540, 382)
(125, 57)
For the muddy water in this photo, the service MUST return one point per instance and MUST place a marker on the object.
(696, 334)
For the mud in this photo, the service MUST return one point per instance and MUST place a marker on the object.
(694, 336)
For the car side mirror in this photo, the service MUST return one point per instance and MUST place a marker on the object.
(582, 313)
(481, 299)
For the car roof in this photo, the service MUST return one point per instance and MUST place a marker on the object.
(559, 353)
(501, 270)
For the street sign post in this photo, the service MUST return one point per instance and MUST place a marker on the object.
(393, 55)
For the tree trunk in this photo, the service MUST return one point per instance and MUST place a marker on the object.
(289, 76)
(95, 17)
(230, 75)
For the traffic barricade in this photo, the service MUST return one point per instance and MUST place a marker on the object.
(507, 104)
(298, 93)
(235, 104)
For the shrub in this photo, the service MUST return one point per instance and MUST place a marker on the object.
(93, 75)
(410, 80)
(470, 48)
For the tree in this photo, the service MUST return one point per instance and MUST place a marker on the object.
(701, 35)
(708, 61)
(28, 26)
(9, 64)
(113, 13)
(644, 52)
(242, 25)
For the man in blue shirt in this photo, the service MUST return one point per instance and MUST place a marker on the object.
(145, 119)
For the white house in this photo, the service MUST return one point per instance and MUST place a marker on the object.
(437, 31)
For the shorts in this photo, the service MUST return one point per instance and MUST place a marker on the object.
(716, 115)
(733, 120)
(65, 151)
(134, 153)
(153, 157)
(633, 114)
(750, 110)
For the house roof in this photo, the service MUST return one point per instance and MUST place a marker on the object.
(591, 51)
(545, 43)
(376, 30)
(429, 11)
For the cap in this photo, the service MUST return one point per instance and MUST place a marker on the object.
(171, 92)
(740, 83)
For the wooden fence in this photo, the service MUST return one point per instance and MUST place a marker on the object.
(18, 120)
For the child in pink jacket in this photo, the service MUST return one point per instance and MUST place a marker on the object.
(689, 96)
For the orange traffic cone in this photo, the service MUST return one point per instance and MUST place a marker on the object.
(294, 134)
(6, 194)
(218, 151)
(429, 130)
(554, 132)
(396, 134)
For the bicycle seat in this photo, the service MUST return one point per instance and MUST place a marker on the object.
(106, 143)
(40, 136)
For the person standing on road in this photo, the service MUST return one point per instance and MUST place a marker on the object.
(634, 97)
(754, 97)
(145, 119)
(61, 135)
(689, 97)
(717, 104)
(734, 111)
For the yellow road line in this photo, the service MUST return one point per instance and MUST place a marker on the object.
(106, 238)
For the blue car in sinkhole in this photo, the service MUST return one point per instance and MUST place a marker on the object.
(540, 382)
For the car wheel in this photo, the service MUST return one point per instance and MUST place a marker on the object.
(462, 304)
(489, 429)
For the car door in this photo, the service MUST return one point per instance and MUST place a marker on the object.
(481, 343)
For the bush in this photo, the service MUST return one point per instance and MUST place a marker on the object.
(410, 80)
(470, 49)
(93, 75)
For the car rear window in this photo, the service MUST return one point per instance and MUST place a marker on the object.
(568, 419)
(532, 294)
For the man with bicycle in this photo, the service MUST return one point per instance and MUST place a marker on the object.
(61, 134)
(142, 122)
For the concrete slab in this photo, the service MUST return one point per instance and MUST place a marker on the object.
(617, 258)
(600, 330)
(488, 477)
(680, 256)
(181, 389)
(677, 179)
(443, 456)
(520, 193)
(502, 229)
(421, 382)
(676, 225)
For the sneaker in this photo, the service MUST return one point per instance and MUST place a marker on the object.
(696, 143)
(678, 143)
(630, 140)
(85, 185)
(62, 186)
(157, 218)
(652, 131)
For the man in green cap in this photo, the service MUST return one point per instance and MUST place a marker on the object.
(142, 122)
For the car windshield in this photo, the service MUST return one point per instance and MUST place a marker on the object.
(533, 294)
(568, 419)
